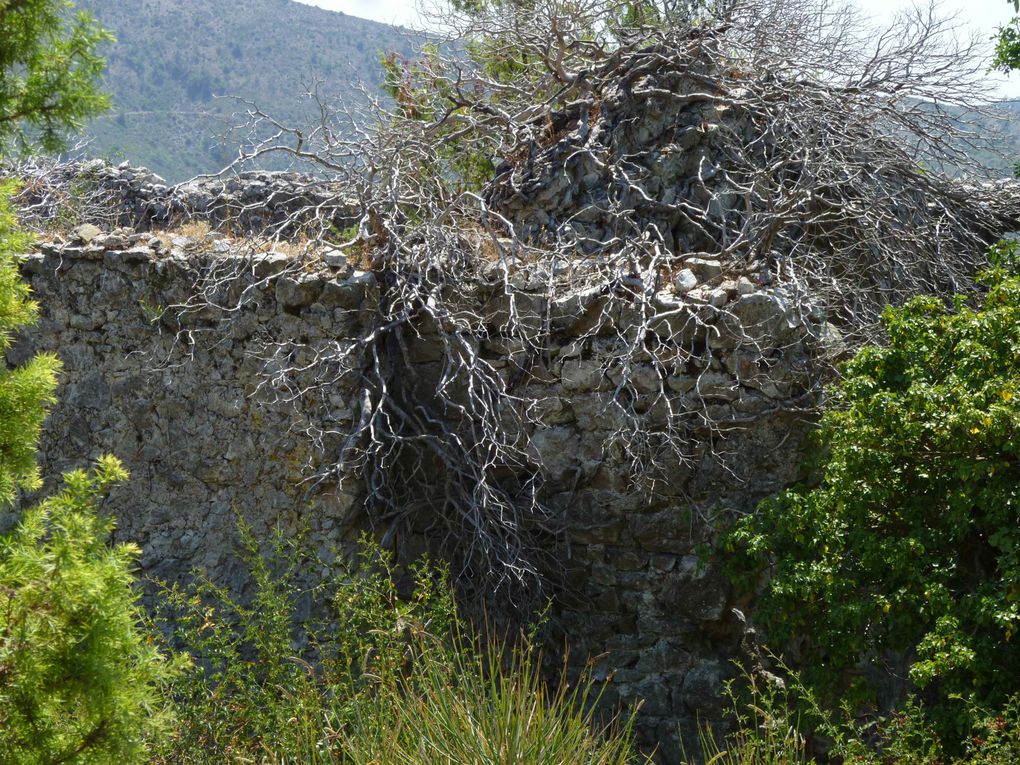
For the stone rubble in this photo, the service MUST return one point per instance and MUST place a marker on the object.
(244, 203)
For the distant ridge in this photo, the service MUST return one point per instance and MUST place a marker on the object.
(173, 56)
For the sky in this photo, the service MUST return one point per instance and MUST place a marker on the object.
(981, 16)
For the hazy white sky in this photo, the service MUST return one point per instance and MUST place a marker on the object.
(387, 11)
(983, 16)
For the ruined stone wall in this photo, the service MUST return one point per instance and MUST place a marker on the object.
(175, 398)
(123, 195)
(179, 404)
(187, 402)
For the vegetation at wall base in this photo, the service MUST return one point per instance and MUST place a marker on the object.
(383, 679)
(780, 721)
(79, 678)
(911, 542)
(494, 706)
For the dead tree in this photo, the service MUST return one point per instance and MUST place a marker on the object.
(696, 190)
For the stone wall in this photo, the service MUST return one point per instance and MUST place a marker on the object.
(123, 195)
(175, 398)
(186, 400)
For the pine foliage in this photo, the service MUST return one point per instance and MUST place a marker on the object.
(79, 679)
(25, 391)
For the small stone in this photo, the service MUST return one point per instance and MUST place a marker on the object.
(681, 384)
(717, 385)
(762, 314)
(334, 259)
(685, 281)
(577, 375)
(299, 290)
(86, 233)
(745, 286)
(704, 268)
(718, 297)
(349, 293)
(269, 263)
(130, 256)
(111, 241)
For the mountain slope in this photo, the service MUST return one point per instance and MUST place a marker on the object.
(174, 57)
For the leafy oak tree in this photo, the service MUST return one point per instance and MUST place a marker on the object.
(50, 70)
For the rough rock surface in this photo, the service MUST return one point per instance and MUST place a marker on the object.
(185, 401)
(133, 196)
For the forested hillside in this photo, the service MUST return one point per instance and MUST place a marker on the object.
(173, 58)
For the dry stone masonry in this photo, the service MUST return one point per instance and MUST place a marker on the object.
(136, 197)
(187, 401)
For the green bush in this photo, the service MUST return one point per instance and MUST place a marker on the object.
(26, 392)
(385, 679)
(264, 685)
(79, 678)
(781, 722)
(911, 542)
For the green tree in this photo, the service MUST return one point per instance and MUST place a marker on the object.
(911, 542)
(1007, 43)
(79, 676)
(78, 673)
(50, 72)
(26, 391)
(80, 680)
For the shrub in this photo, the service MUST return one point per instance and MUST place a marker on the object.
(780, 722)
(767, 722)
(26, 392)
(79, 676)
(249, 693)
(384, 679)
(911, 542)
(486, 707)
